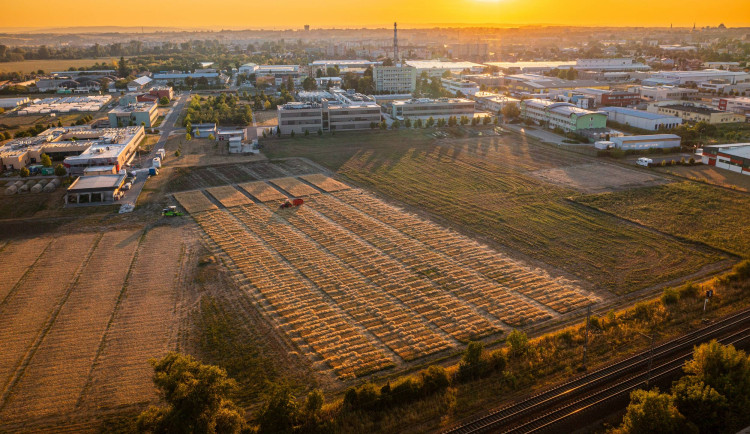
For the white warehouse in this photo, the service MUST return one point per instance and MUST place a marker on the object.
(641, 119)
(662, 141)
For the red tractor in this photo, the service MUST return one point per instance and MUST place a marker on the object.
(293, 203)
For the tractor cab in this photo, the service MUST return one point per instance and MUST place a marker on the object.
(171, 211)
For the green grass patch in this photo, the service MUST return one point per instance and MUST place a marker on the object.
(711, 215)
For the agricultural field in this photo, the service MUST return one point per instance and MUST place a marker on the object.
(13, 124)
(81, 315)
(704, 213)
(710, 175)
(361, 286)
(492, 188)
(201, 152)
(28, 66)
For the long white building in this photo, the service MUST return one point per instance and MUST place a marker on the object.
(425, 108)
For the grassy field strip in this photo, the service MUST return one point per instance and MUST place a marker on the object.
(140, 329)
(27, 310)
(462, 282)
(420, 294)
(58, 371)
(194, 201)
(296, 166)
(528, 216)
(16, 259)
(294, 186)
(262, 191)
(236, 174)
(325, 183)
(559, 294)
(229, 196)
(303, 310)
(396, 327)
(707, 214)
(219, 174)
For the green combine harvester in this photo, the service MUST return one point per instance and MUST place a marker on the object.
(171, 211)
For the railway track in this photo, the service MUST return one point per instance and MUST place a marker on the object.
(542, 411)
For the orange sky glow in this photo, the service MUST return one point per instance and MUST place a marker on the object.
(352, 14)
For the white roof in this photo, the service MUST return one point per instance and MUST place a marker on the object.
(439, 64)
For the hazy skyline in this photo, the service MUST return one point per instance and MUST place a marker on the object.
(347, 14)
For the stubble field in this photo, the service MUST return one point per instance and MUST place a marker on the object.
(359, 285)
(80, 317)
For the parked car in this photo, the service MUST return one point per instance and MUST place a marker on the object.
(127, 186)
(643, 161)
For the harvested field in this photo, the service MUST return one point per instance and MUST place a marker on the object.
(487, 187)
(294, 186)
(262, 191)
(55, 377)
(598, 177)
(229, 196)
(296, 166)
(325, 183)
(83, 315)
(143, 325)
(347, 267)
(194, 201)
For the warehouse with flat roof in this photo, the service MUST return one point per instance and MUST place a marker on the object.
(661, 141)
(641, 119)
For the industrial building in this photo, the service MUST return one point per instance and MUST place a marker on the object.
(734, 105)
(493, 102)
(641, 119)
(139, 83)
(604, 64)
(95, 189)
(140, 113)
(424, 108)
(662, 93)
(662, 141)
(696, 77)
(536, 84)
(693, 113)
(80, 147)
(68, 104)
(342, 65)
(436, 68)
(562, 115)
(177, 77)
(9, 103)
(610, 98)
(734, 157)
(455, 85)
(394, 79)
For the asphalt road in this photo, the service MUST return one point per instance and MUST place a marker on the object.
(167, 127)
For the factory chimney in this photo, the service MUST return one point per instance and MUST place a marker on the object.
(395, 44)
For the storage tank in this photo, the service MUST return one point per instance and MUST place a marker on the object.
(157, 163)
(30, 183)
(23, 189)
(11, 190)
(49, 187)
(43, 182)
(37, 188)
(18, 184)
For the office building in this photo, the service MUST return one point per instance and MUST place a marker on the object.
(562, 115)
(394, 79)
(345, 111)
(424, 108)
(662, 93)
(734, 105)
(536, 84)
(493, 102)
(456, 85)
(139, 113)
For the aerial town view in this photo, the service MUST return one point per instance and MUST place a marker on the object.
(489, 216)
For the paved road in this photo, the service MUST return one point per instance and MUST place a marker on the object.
(167, 127)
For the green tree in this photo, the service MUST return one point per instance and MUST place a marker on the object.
(407, 123)
(46, 161)
(701, 404)
(164, 100)
(188, 137)
(511, 111)
(653, 412)
(24, 172)
(518, 342)
(280, 414)
(60, 170)
(195, 397)
(430, 122)
(395, 125)
(309, 83)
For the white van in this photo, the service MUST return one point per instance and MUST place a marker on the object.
(643, 161)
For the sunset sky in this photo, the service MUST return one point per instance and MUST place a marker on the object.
(348, 13)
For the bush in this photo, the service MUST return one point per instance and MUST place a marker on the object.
(518, 342)
(691, 161)
(691, 290)
(434, 379)
(741, 270)
(24, 172)
(60, 170)
(642, 310)
(670, 296)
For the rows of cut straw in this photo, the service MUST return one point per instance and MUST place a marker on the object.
(395, 326)
(194, 201)
(559, 294)
(262, 191)
(229, 196)
(303, 310)
(448, 274)
(325, 183)
(294, 186)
